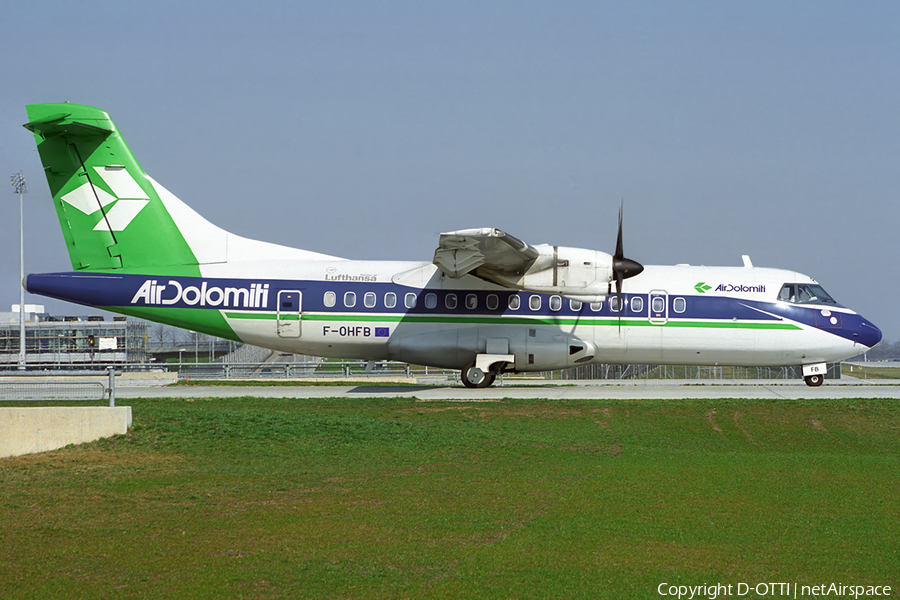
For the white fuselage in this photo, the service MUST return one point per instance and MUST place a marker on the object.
(358, 309)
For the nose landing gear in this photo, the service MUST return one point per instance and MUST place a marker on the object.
(814, 380)
(814, 375)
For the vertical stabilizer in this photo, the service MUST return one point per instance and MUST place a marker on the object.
(111, 215)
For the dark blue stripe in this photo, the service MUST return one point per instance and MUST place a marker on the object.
(102, 289)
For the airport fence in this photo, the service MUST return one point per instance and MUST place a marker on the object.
(680, 372)
(312, 370)
(40, 389)
(324, 370)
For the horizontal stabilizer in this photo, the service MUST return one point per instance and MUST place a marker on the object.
(68, 123)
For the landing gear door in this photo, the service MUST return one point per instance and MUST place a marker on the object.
(288, 318)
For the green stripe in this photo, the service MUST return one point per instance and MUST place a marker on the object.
(734, 325)
(473, 320)
(194, 319)
(260, 316)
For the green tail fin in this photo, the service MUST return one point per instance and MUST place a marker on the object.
(111, 214)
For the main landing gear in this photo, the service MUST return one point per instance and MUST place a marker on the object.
(473, 377)
(483, 372)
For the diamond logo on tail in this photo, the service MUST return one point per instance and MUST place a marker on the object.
(129, 198)
(121, 215)
(88, 199)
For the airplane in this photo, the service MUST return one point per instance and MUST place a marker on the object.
(486, 304)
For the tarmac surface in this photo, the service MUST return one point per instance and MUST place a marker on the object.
(562, 390)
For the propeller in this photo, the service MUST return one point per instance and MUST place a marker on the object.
(623, 268)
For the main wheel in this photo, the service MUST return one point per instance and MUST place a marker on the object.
(473, 377)
(814, 380)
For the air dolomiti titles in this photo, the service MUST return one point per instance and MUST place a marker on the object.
(151, 293)
(728, 287)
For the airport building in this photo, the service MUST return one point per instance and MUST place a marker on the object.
(70, 342)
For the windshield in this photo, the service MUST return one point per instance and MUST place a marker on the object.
(804, 293)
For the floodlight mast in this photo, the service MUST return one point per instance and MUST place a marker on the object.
(18, 182)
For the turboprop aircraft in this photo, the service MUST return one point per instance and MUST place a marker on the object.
(487, 303)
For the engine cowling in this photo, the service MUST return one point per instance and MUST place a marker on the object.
(571, 272)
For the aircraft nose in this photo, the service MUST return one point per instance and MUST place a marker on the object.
(867, 334)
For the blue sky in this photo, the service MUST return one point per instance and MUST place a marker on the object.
(365, 129)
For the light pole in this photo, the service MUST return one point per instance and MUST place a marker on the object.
(18, 182)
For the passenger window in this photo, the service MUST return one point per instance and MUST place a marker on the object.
(330, 299)
(679, 305)
(658, 305)
(596, 306)
(514, 302)
(430, 300)
(637, 304)
(535, 302)
(450, 301)
(614, 303)
(369, 299)
(575, 305)
(471, 301)
(555, 303)
(350, 299)
(409, 300)
(493, 302)
(390, 300)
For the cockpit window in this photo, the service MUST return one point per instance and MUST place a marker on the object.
(804, 293)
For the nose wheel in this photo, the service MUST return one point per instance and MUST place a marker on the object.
(814, 380)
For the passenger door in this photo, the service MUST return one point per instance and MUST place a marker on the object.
(288, 318)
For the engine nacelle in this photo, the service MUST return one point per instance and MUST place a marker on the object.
(572, 272)
(523, 349)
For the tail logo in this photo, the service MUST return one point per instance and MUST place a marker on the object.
(129, 198)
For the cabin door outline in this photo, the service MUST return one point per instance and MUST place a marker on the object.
(289, 314)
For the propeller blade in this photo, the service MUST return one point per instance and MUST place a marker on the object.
(623, 268)
(619, 252)
(621, 265)
(619, 298)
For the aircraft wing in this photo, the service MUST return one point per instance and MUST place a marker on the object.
(461, 252)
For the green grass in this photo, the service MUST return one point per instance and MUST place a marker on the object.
(374, 498)
(872, 372)
(373, 382)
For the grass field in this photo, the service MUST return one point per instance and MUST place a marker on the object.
(866, 372)
(382, 498)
